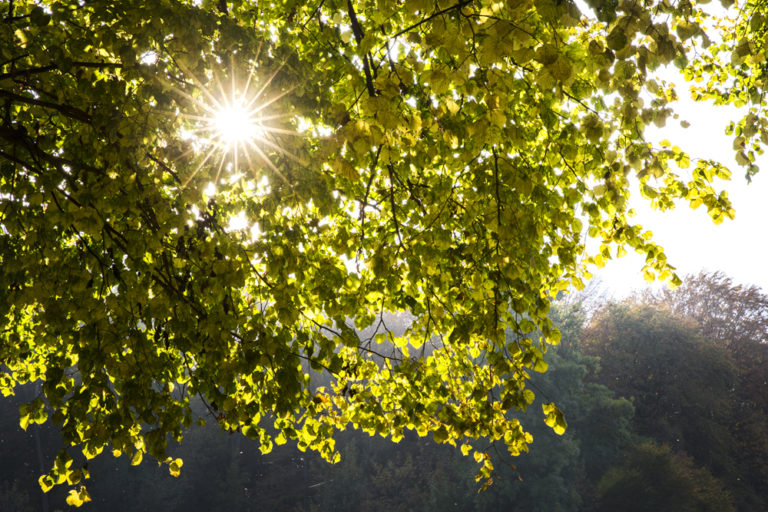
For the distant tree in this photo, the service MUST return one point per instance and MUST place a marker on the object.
(557, 474)
(680, 385)
(15, 497)
(25, 454)
(735, 317)
(726, 312)
(653, 479)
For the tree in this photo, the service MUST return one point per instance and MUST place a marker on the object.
(653, 478)
(686, 391)
(734, 317)
(730, 314)
(558, 473)
(207, 198)
(681, 386)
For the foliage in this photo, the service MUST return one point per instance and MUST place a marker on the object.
(13, 497)
(686, 391)
(681, 387)
(738, 79)
(653, 478)
(435, 157)
(732, 315)
(226, 472)
(727, 313)
(735, 317)
(595, 463)
(558, 473)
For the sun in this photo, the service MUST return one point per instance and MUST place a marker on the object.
(235, 123)
(237, 126)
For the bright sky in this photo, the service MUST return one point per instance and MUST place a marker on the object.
(691, 241)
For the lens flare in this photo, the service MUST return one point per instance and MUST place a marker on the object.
(235, 124)
(242, 125)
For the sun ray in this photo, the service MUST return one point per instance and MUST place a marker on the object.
(270, 129)
(201, 104)
(264, 105)
(215, 103)
(266, 84)
(271, 165)
(250, 165)
(218, 171)
(200, 166)
(247, 85)
(190, 150)
(275, 116)
(235, 124)
(283, 151)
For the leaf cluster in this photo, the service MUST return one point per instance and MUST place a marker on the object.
(448, 159)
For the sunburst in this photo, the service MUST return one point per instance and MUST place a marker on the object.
(235, 126)
(234, 123)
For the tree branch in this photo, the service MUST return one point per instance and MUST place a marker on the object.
(164, 167)
(358, 32)
(434, 15)
(391, 170)
(51, 67)
(18, 137)
(74, 113)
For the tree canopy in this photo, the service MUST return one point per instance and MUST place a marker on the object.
(697, 380)
(448, 160)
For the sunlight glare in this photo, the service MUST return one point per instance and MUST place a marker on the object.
(238, 222)
(235, 124)
(210, 190)
(237, 131)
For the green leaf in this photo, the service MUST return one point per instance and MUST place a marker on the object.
(440, 435)
(554, 418)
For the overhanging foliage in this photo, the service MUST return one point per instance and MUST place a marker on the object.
(445, 159)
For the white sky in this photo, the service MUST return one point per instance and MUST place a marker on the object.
(691, 241)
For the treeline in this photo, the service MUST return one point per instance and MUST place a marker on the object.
(666, 396)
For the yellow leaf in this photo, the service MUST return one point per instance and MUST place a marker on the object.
(77, 497)
(175, 467)
(46, 483)
(73, 499)
(452, 106)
